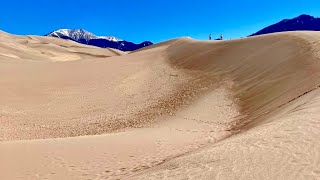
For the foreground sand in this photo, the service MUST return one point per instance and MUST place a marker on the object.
(182, 109)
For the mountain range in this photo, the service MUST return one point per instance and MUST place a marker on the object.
(88, 38)
(302, 22)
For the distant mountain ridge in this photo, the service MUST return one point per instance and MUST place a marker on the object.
(302, 22)
(88, 38)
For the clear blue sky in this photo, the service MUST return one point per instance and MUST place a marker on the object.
(154, 20)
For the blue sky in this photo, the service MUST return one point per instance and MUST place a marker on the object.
(154, 20)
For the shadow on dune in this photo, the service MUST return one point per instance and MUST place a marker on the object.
(268, 71)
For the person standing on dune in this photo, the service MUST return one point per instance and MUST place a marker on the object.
(221, 37)
(210, 37)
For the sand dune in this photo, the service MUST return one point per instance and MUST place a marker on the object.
(276, 86)
(182, 109)
(35, 48)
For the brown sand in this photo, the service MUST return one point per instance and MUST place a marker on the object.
(182, 109)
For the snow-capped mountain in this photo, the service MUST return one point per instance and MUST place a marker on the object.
(302, 22)
(79, 35)
(110, 38)
(88, 38)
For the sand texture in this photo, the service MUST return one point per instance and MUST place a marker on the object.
(181, 109)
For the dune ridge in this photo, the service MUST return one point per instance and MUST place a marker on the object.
(277, 98)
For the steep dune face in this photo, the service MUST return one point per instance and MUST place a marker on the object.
(268, 72)
(251, 102)
(276, 86)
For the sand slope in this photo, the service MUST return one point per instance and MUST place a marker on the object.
(241, 109)
(276, 84)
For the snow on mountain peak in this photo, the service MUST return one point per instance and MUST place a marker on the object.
(85, 37)
(110, 38)
(80, 35)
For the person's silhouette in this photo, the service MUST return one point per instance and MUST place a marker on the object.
(210, 37)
